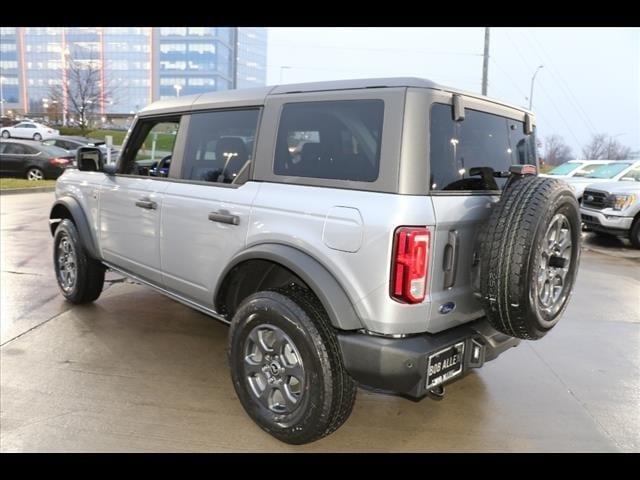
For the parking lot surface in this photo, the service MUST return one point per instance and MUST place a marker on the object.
(137, 371)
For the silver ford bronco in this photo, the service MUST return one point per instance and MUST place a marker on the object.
(391, 233)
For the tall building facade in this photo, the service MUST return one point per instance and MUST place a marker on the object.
(135, 65)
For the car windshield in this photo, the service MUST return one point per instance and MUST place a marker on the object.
(608, 171)
(564, 169)
(54, 151)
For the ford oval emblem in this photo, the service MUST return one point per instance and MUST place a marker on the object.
(447, 308)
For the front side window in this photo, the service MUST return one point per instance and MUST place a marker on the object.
(466, 154)
(220, 145)
(633, 174)
(333, 139)
(152, 143)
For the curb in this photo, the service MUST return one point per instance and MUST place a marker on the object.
(12, 191)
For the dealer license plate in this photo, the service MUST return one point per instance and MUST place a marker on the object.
(444, 365)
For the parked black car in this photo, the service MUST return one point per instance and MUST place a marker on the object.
(72, 143)
(32, 160)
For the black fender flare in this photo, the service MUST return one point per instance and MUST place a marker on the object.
(79, 219)
(330, 293)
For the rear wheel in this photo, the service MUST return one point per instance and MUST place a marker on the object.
(37, 137)
(34, 173)
(286, 365)
(80, 277)
(529, 254)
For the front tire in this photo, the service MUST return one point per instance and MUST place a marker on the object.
(80, 277)
(286, 365)
(634, 233)
(6, 134)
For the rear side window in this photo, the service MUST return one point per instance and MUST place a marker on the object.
(334, 140)
(220, 145)
(18, 149)
(481, 140)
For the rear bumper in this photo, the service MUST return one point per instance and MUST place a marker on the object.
(400, 365)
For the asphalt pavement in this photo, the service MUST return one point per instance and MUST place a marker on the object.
(139, 372)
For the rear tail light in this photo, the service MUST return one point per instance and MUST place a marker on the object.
(60, 162)
(410, 264)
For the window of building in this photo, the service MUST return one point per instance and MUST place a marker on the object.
(336, 140)
(182, 31)
(481, 140)
(220, 145)
(202, 47)
(173, 47)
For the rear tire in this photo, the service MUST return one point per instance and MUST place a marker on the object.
(80, 277)
(325, 392)
(35, 174)
(529, 255)
(37, 137)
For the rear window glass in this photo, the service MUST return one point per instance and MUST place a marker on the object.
(334, 140)
(482, 140)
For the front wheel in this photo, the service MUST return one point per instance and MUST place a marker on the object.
(6, 134)
(286, 365)
(79, 276)
(634, 234)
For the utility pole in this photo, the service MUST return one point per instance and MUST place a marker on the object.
(485, 62)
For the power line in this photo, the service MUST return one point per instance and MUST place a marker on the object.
(563, 84)
(553, 104)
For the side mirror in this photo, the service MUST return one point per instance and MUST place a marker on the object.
(528, 124)
(89, 159)
(458, 108)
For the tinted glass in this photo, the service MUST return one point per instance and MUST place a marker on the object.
(564, 169)
(481, 140)
(52, 151)
(15, 149)
(219, 145)
(153, 142)
(335, 140)
(608, 171)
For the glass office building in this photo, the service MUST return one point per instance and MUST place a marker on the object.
(135, 65)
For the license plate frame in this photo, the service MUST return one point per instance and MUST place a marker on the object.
(445, 364)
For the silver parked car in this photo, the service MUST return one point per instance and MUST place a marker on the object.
(387, 232)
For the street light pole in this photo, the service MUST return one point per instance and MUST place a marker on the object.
(532, 80)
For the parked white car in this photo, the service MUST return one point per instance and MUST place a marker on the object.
(30, 130)
(575, 168)
(611, 172)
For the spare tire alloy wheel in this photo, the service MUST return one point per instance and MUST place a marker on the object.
(554, 265)
(529, 256)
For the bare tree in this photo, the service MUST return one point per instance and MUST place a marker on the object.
(605, 147)
(82, 91)
(556, 151)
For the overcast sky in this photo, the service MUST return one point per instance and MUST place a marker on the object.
(590, 81)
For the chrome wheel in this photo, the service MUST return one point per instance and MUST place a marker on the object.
(35, 174)
(67, 264)
(555, 262)
(273, 369)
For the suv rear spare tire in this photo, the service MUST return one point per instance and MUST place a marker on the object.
(529, 255)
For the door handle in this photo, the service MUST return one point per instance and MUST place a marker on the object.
(146, 203)
(223, 216)
(450, 260)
